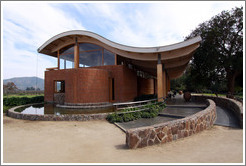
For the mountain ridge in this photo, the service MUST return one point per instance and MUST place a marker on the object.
(24, 82)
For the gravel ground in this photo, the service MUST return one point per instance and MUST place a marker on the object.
(101, 142)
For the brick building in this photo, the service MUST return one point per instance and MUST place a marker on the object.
(92, 69)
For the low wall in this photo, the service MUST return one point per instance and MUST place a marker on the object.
(172, 130)
(51, 117)
(235, 106)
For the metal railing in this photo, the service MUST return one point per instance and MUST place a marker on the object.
(137, 104)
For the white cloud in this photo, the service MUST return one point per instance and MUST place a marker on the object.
(26, 26)
(152, 24)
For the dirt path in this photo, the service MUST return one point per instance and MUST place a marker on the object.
(101, 142)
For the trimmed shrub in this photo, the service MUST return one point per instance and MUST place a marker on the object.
(152, 110)
(15, 101)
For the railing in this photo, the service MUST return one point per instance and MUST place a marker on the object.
(137, 104)
(52, 68)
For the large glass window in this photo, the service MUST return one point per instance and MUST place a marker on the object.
(89, 55)
(67, 57)
(109, 57)
(88, 47)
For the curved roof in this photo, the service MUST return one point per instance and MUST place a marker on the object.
(175, 57)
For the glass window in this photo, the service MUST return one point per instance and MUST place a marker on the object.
(59, 86)
(109, 57)
(67, 57)
(93, 58)
(90, 55)
(88, 46)
(67, 50)
(62, 61)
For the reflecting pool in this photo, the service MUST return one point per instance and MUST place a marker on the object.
(43, 109)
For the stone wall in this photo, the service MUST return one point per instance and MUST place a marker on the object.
(51, 117)
(59, 98)
(235, 106)
(172, 130)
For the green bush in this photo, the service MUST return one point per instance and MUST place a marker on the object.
(152, 110)
(15, 101)
(114, 118)
(128, 117)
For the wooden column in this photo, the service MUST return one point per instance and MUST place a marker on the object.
(76, 54)
(164, 84)
(102, 57)
(159, 82)
(115, 62)
(58, 59)
(168, 84)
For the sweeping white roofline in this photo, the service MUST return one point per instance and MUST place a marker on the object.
(120, 46)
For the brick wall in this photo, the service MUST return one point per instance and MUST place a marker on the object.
(125, 82)
(145, 86)
(91, 85)
(81, 85)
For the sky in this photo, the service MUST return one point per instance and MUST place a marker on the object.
(27, 25)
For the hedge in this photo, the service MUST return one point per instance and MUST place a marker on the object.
(15, 101)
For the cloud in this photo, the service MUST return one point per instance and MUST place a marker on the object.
(151, 24)
(26, 26)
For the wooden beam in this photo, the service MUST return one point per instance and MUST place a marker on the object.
(58, 59)
(164, 78)
(76, 54)
(159, 82)
(102, 57)
(52, 68)
(115, 59)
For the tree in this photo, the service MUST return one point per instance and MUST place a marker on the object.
(219, 58)
(10, 87)
(30, 88)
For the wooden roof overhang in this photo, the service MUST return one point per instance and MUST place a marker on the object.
(175, 57)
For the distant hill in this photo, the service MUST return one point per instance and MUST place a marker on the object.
(24, 82)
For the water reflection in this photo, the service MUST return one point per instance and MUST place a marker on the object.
(43, 109)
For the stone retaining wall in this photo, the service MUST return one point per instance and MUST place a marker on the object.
(51, 117)
(235, 106)
(172, 130)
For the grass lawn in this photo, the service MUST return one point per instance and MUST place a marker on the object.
(23, 95)
(222, 95)
(212, 94)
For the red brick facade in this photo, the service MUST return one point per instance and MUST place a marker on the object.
(91, 85)
(145, 86)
